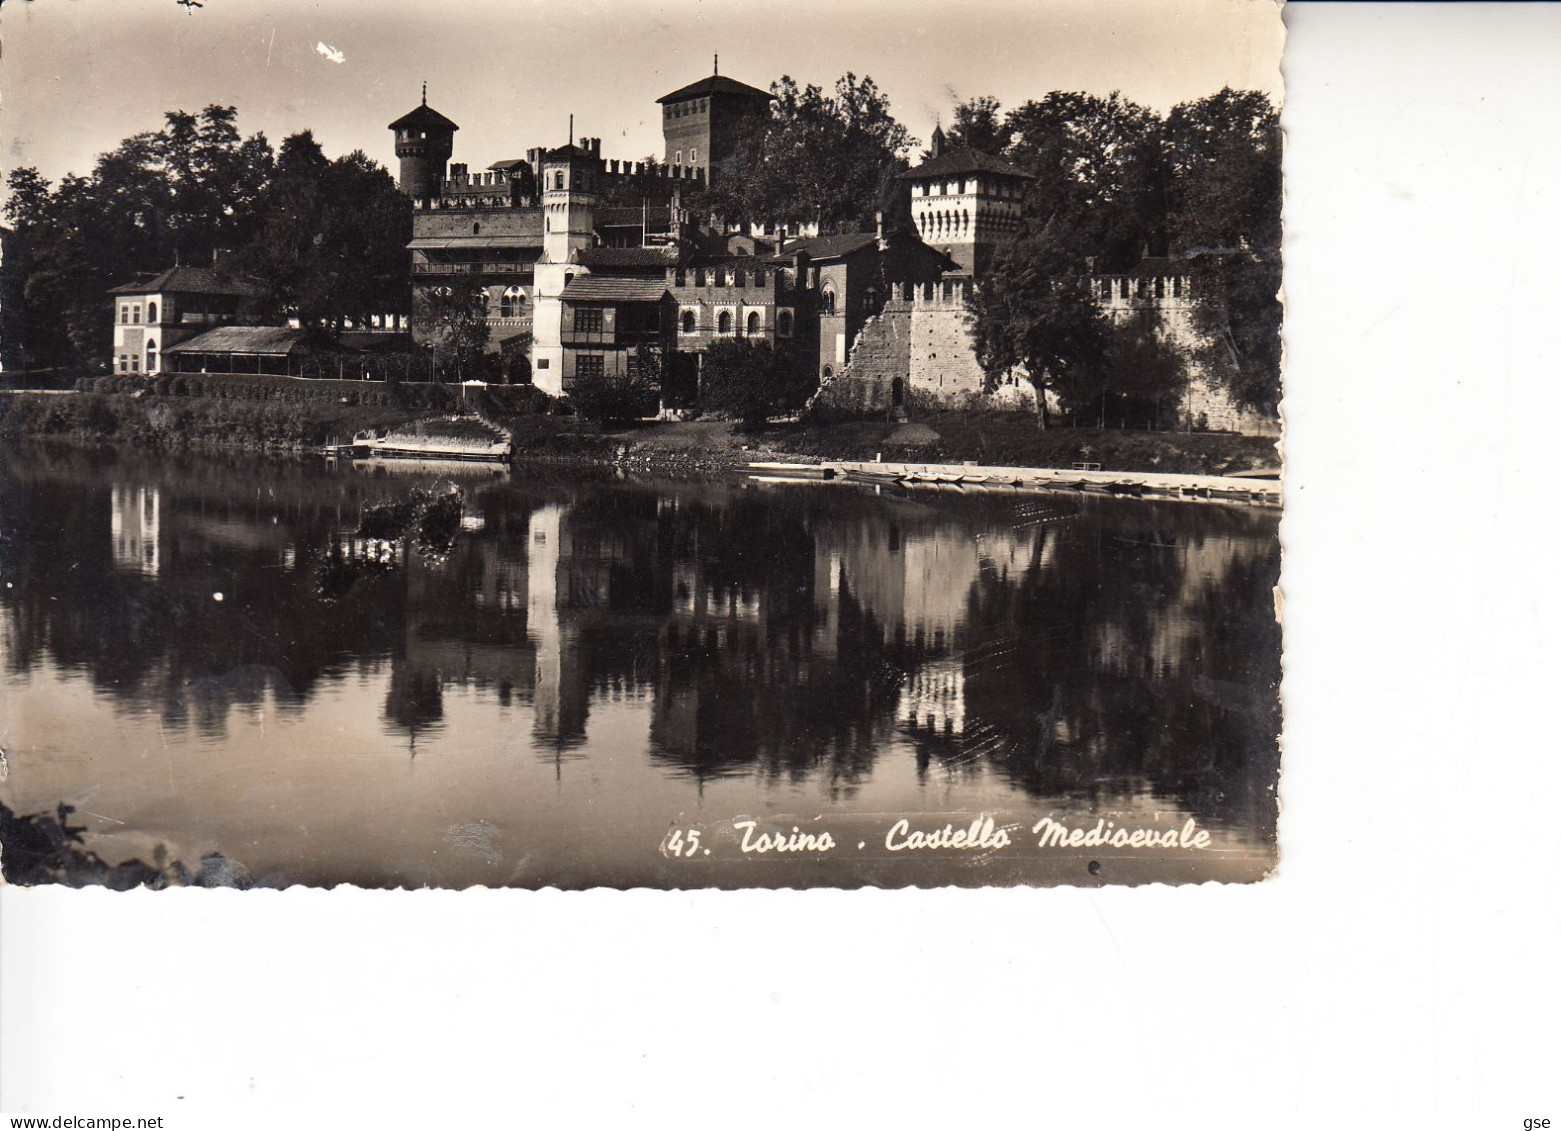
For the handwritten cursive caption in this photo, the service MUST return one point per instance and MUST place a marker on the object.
(983, 834)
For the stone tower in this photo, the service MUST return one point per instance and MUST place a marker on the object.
(425, 139)
(703, 123)
(569, 182)
(966, 203)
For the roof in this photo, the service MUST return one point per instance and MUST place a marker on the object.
(510, 163)
(645, 258)
(715, 84)
(425, 117)
(273, 340)
(965, 160)
(606, 288)
(188, 281)
(829, 247)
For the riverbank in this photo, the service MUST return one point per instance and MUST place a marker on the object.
(1013, 440)
(952, 438)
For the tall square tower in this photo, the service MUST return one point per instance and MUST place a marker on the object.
(704, 122)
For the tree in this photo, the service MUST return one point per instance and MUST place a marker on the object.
(177, 194)
(751, 381)
(1100, 161)
(456, 316)
(620, 398)
(1144, 372)
(979, 124)
(333, 243)
(1224, 153)
(1035, 311)
(828, 159)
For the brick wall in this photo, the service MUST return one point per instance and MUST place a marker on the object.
(880, 355)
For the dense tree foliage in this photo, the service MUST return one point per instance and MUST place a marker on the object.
(824, 158)
(751, 381)
(620, 398)
(327, 238)
(332, 243)
(979, 124)
(1115, 182)
(1225, 199)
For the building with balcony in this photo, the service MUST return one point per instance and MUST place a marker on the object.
(156, 313)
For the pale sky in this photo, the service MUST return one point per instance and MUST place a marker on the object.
(79, 75)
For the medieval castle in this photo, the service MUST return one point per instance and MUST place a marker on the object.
(586, 260)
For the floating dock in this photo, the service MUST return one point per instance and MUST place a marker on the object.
(1251, 488)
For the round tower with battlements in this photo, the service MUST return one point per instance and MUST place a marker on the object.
(425, 139)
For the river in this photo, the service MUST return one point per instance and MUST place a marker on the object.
(627, 682)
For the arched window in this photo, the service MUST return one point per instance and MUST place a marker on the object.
(151, 357)
(476, 229)
(151, 312)
(753, 321)
(829, 300)
(688, 322)
(783, 324)
(828, 372)
(512, 302)
(723, 324)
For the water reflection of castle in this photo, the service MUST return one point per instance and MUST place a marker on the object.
(135, 520)
(685, 600)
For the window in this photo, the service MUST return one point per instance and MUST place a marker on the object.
(476, 229)
(783, 324)
(590, 365)
(151, 312)
(151, 357)
(688, 322)
(135, 364)
(588, 319)
(693, 156)
(1176, 287)
(829, 300)
(1159, 287)
(723, 324)
(753, 321)
(123, 363)
(124, 313)
(544, 363)
(678, 160)
(512, 302)
(135, 314)
(828, 373)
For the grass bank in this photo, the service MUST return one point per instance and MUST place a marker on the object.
(993, 439)
(264, 420)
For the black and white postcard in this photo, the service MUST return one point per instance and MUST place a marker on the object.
(478, 444)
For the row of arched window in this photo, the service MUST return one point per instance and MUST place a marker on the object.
(131, 312)
(688, 323)
(945, 223)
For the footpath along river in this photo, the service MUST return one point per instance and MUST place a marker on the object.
(606, 681)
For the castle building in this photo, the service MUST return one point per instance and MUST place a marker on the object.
(966, 203)
(585, 260)
(703, 123)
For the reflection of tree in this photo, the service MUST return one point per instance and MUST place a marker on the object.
(1162, 655)
(170, 643)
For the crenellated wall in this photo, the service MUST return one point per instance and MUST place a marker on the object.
(923, 341)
